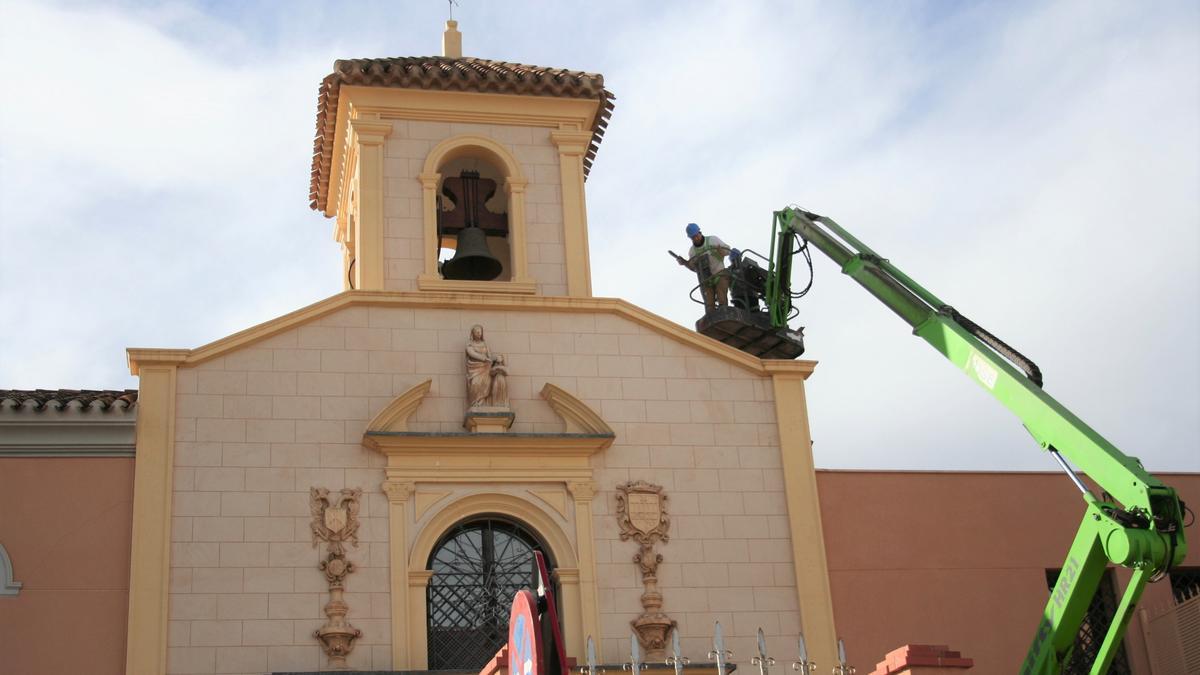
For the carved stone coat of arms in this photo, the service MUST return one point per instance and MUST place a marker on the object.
(642, 513)
(642, 516)
(335, 517)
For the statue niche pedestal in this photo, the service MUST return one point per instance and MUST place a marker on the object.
(490, 419)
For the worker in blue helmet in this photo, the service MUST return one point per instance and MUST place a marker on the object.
(707, 258)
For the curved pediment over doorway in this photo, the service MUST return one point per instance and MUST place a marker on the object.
(577, 415)
(395, 416)
(585, 432)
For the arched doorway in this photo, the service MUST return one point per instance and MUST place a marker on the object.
(477, 566)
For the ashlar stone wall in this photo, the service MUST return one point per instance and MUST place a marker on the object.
(258, 427)
(404, 157)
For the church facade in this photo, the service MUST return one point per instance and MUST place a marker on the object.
(620, 434)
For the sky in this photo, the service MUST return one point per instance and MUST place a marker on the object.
(1035, 164)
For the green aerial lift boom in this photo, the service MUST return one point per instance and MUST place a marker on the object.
(1137, 522)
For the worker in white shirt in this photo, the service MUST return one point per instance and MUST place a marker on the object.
(707, 258)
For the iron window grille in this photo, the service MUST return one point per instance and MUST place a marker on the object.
(1185, 582)
(477, 568)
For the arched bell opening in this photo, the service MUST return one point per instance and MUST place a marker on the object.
(478, 565)
(473, 233)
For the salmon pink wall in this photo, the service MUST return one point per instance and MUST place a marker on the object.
(955, 558)
(66, 523)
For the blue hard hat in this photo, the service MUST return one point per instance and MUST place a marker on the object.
(693, 229)
(734, 254)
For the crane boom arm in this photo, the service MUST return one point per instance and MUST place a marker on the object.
(1140, 526)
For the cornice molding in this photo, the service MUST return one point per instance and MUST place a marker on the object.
(420, 443)
(369, 131)
(425, 458)
(390, 103)
(428, 299)
(571, 142)
(143, 357)
(514, 287)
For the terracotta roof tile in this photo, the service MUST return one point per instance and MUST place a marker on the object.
(57, 399)
(447, 74)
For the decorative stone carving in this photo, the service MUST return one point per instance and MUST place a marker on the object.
(335, 521)
(398, 491)
(487, 387)
(583, 491)
(642, 516)
(642, 512)
(487, 376)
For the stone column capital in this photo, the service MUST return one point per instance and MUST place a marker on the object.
(370, 132)
(398, 492)
(583, 491)
(571, 142)
(419, 578)
(565, 574)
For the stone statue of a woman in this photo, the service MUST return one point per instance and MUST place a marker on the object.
(487, 383)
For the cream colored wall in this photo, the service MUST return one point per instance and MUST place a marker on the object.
(706, 433)
(258, 426)
(405, 153)
(256, 429)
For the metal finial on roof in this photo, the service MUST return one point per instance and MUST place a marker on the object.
(452, 3)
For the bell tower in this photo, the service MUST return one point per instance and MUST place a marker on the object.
(458, 174)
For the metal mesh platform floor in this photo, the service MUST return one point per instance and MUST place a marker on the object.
(752, 333)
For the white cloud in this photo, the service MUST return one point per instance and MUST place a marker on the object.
(1044, 186)
(1035, 166)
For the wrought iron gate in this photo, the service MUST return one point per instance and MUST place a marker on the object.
(477, 567)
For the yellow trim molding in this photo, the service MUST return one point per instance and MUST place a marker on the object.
(580, 617)
(369, 137)
(557, 304)
(436, 283)
(572, 146)
(398, 493)
(484, 457)
(804, 516)
(150, 553)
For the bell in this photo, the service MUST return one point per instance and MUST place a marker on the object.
(472, 260)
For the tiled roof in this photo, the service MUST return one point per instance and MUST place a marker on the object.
(57, 399)
(447, 74)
